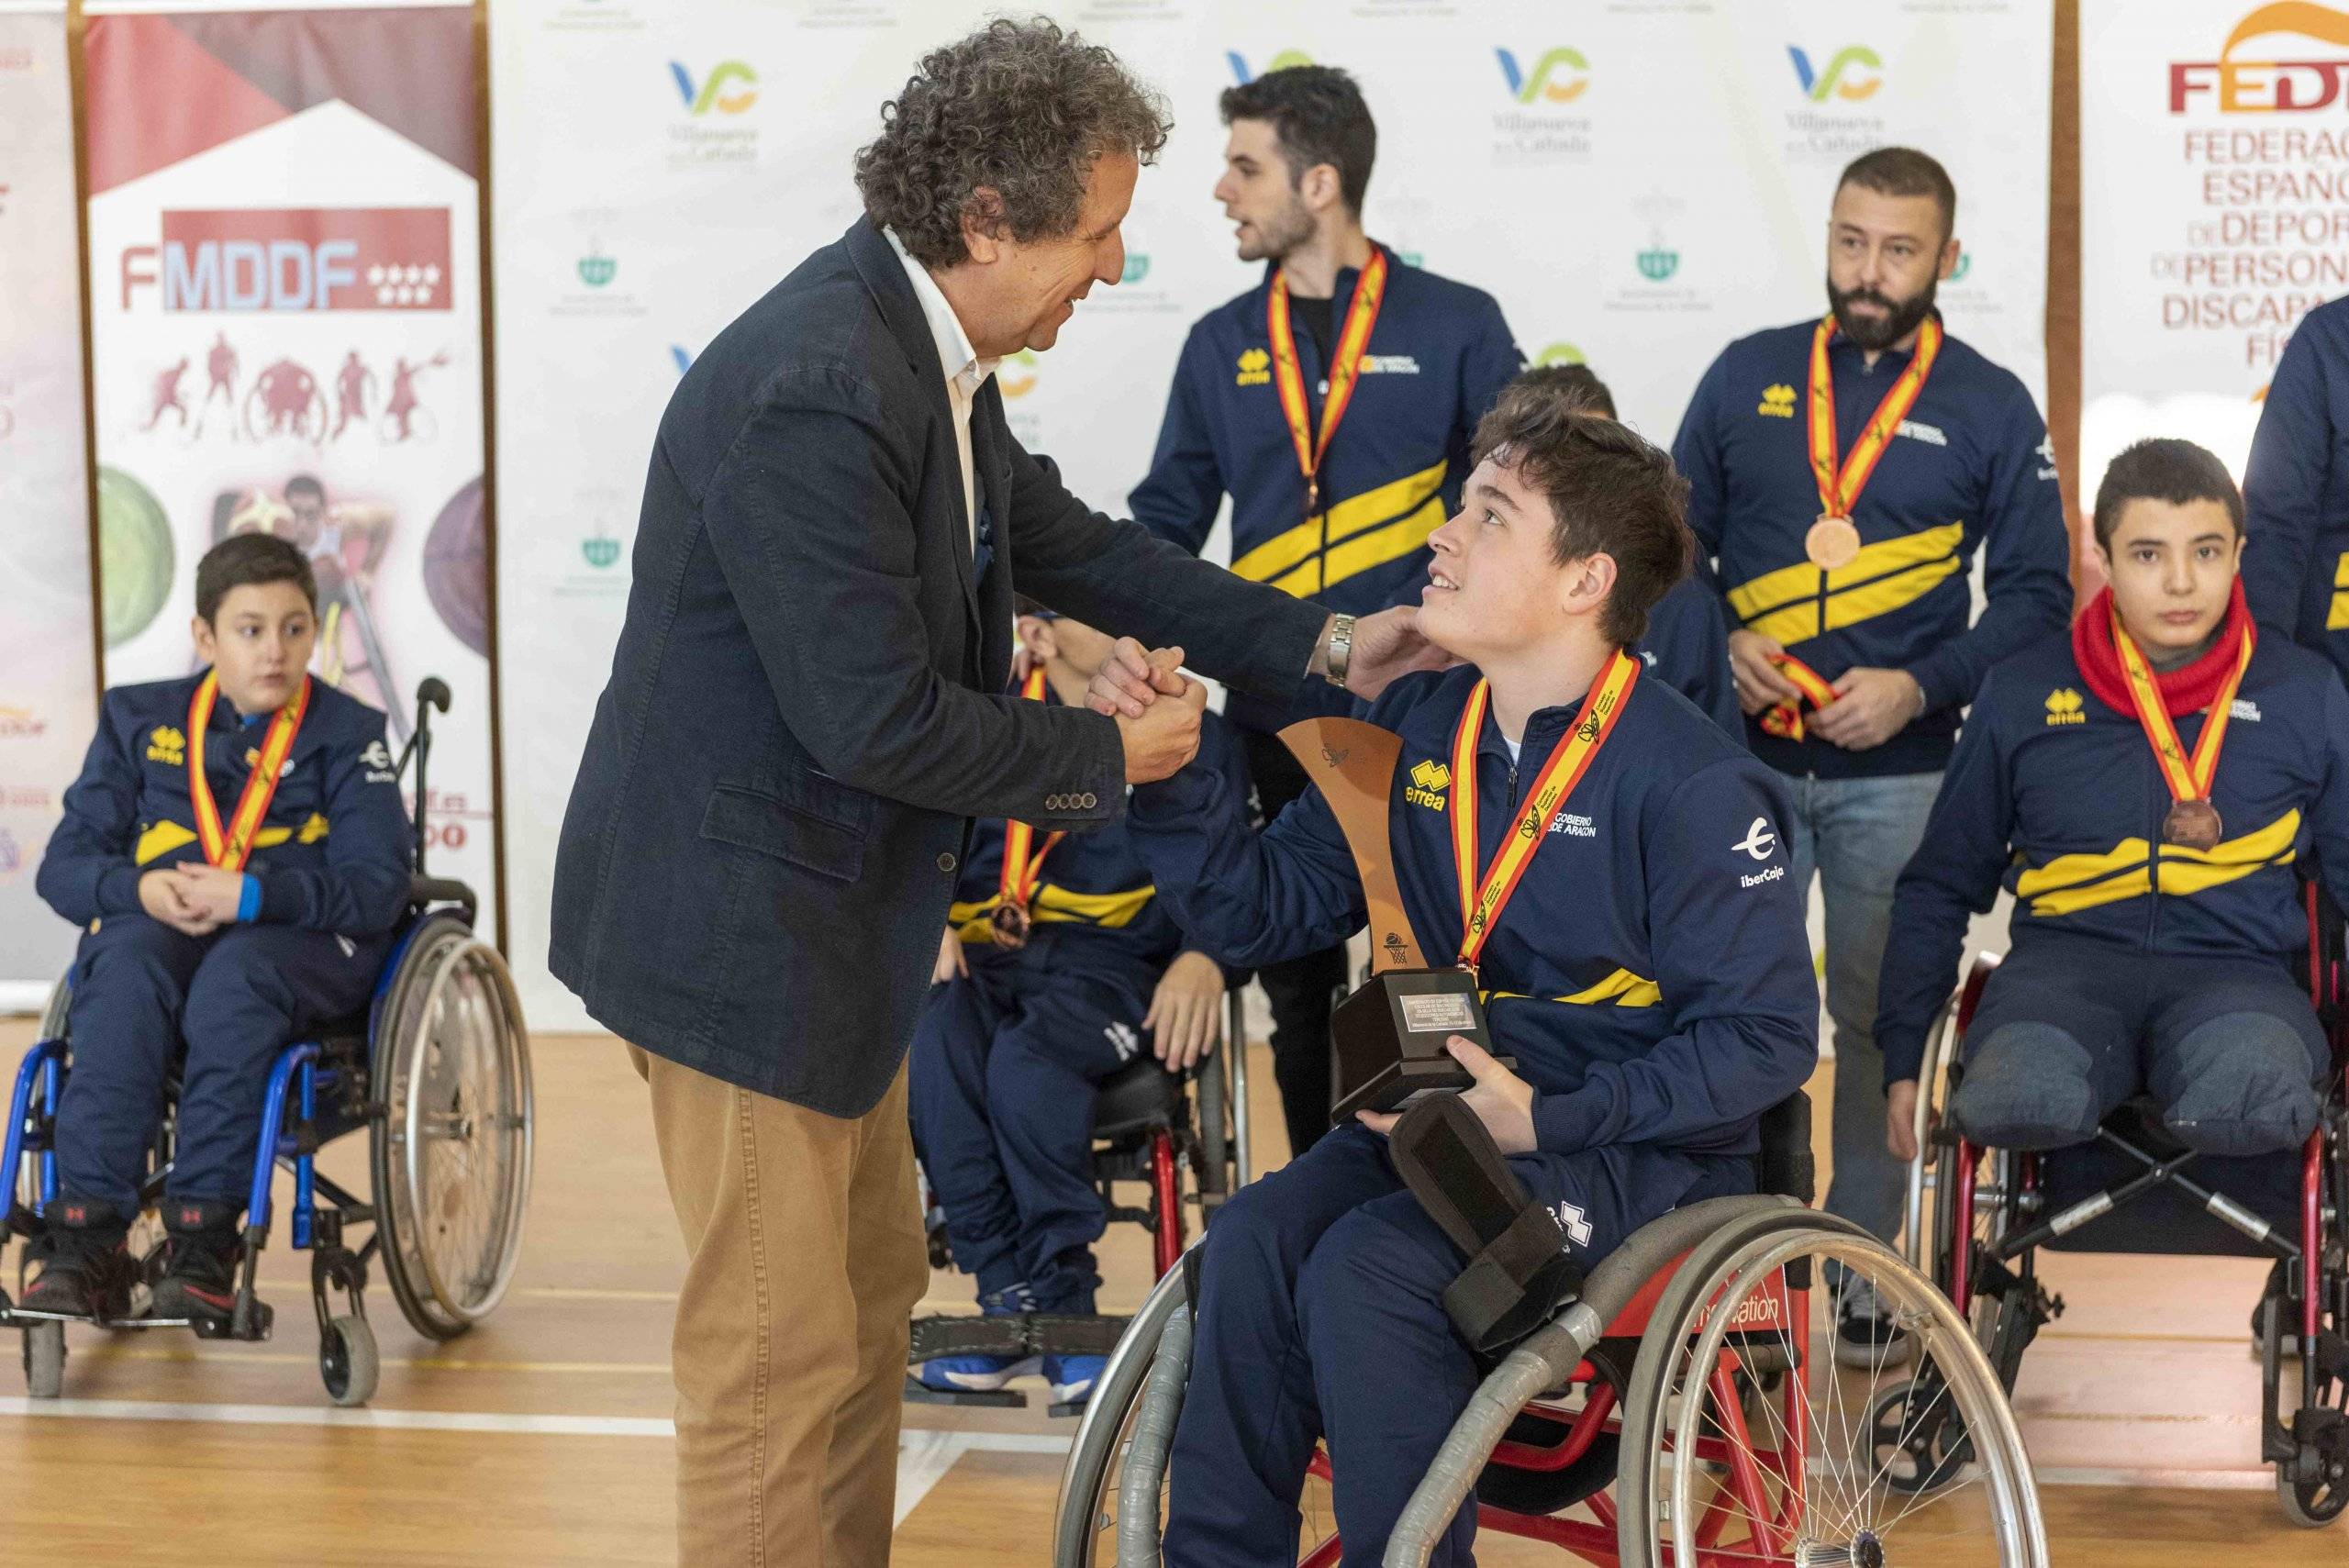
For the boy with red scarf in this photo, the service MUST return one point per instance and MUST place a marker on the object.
(2143, 786)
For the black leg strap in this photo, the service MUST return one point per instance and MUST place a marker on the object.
(1519, 1270)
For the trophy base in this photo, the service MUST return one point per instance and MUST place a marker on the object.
(1388, 1038)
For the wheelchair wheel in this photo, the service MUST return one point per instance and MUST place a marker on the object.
(1215, 1127)
(348, 1362)
(451, 1140)
(1831, 1465)
(52, 1017)
(1084, 1524)
(45, 1360)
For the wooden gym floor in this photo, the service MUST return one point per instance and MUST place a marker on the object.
(542, 1437)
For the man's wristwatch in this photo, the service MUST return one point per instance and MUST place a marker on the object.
(1341, 648)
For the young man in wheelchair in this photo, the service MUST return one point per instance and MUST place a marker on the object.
(1058, 966)
(1640, 947)
(2143, 786)
(236, 852)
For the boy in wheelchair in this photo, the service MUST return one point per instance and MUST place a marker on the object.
(236, 851)
(2143, 785)
(1640, 947)
(1057, 964)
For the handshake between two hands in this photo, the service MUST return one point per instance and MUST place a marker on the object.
(1161, 737)
(196, 899)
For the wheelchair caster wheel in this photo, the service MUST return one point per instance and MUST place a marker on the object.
(1917, 1439)
(2314, 1487)
(45, 1360)
(348, 1363)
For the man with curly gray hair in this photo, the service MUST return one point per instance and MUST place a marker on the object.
(809, 706)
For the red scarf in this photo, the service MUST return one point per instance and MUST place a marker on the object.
(2187, 689)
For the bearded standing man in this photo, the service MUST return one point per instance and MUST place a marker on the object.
(1335, 402)
(807, 706)
(1844, 474)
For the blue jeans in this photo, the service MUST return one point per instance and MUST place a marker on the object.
(1859, 833)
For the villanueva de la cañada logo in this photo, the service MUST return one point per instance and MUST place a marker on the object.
(1544, 122)
(1826, 124)
(715, 126)
(1243, 74)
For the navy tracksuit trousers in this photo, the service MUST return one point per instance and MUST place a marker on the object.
(238, 997)
(1001, 1084)
(1320, 1316)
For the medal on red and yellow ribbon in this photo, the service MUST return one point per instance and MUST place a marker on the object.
(1833, 540)
(1022, 873)
(1345, 369)
(2191, 822)
(230, 846)
(1785, 719)
(1482, 899)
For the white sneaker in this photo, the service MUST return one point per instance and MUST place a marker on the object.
(1866, 1338)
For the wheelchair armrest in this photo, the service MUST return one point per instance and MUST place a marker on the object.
(424, 890)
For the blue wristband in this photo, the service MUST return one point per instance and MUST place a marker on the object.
(249, 901)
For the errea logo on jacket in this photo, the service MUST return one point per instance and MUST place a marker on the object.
(167, 746)
(2063, 706)
(1777, 401)
(1430, 779)
(1255, 368)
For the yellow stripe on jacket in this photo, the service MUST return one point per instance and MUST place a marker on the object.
(1621, 989)
(1111, 911)
(2072, 882)
(1392, 520)
(163, 838)
(1784, 605)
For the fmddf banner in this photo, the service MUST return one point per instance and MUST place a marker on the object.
(47, 675)
(1637, 182)
(2212, 216)
(285, 287)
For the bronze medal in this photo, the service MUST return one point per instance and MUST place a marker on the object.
(1833, 542)
(1009, 925)
(2192, 825)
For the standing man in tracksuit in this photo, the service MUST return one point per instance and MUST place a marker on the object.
(2143, 786)
(1059, 967)
(1635, 929)
(2296, 491)
(1334, 402)
(1845, 471)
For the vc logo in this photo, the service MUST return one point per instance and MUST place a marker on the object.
(712, 92)
(1281, 61)
(1559, 355)
(1850, 75)
(1558, 76)
(1017, 385)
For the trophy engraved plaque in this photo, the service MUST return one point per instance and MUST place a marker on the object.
(1388, 1036)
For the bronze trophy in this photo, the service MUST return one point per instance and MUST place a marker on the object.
(1388, 1035)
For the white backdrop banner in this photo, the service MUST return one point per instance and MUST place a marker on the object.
(47, 676)
(286, 324)
(2217, 215)
(1637, 184)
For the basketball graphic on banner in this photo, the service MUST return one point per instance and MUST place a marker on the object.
(135, 555)
(456, 567)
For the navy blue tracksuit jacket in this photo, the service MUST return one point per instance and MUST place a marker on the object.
(2296, 491)
(1437, 356)
(329, 869)
(2056, 796)
(1651, 977)
(1969, 471)
(1005, 1062)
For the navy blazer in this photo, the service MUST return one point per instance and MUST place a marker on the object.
(807, 705)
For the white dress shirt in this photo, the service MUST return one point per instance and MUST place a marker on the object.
(965, 371)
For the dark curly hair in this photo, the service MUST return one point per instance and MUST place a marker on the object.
(1607, 489)
(1020, 109)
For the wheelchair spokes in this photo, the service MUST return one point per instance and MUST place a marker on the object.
(1773, 1452)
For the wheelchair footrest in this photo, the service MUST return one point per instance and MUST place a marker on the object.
(1015, 1336)
(918, 1393)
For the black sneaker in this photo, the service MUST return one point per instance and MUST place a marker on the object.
(200, 1262)
(1866, 1337)
(85, 1266)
